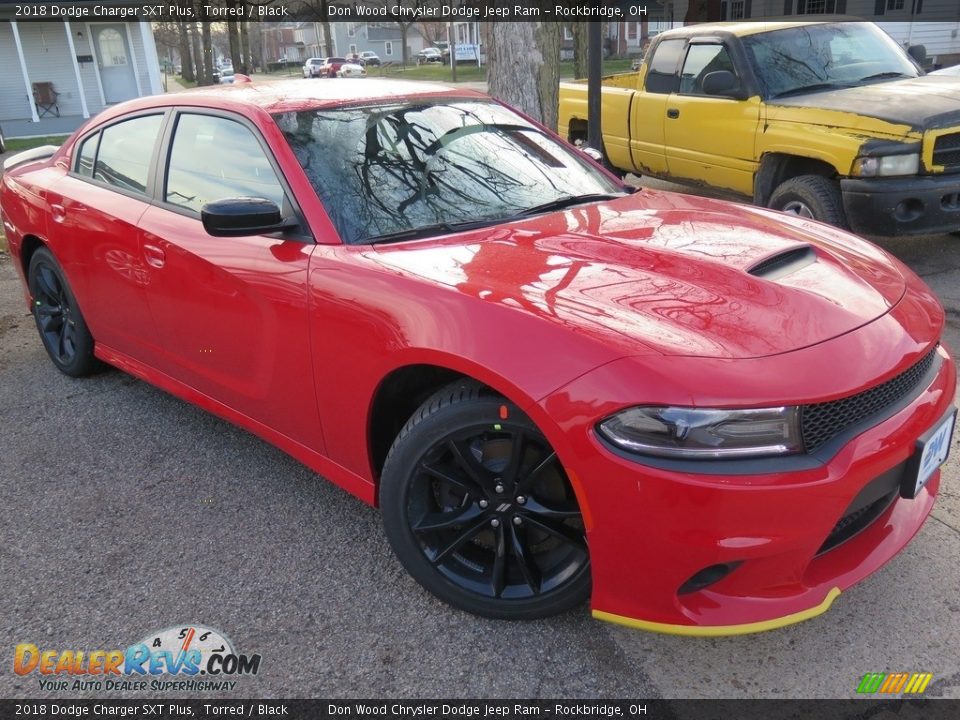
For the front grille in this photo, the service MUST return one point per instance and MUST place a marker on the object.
(821, 422)
(946, 151)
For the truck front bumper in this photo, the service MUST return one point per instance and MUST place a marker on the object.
(902, 206)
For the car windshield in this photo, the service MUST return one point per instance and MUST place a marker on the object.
(811, 58)
(413, 169)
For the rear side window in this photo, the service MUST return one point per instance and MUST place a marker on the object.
(87, 155)
(213, 158)
(125, 150)
(662, 77)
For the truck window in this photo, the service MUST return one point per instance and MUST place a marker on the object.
(701, 61)
(662, 76)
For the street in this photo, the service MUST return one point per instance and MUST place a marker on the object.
(126, 511)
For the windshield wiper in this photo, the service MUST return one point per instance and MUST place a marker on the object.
(884, 75)
(566, 201)
(425, 231)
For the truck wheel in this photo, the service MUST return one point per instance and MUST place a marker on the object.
(810, 196)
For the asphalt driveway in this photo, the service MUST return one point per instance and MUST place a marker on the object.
(124, 511)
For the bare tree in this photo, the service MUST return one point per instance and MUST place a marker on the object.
(580, 48)
(523, 67)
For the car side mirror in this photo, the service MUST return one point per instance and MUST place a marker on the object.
(722, 83)
(237, 217)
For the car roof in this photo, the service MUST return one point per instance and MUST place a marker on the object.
(292, 95)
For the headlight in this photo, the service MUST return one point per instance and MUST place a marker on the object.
(693, 433)
(887, 165)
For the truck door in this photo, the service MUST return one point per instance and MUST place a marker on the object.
(710, 138)
(649, 108)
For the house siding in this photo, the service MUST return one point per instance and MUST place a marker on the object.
(48, 60)
(14, 100)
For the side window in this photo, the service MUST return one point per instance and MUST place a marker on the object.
(701, 61)
(662, 76)
(87, 154)
(213, 158)
(125, 151)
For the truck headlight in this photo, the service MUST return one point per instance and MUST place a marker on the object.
(887, 165)
(695, 433)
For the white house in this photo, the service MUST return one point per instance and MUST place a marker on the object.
(57, 73)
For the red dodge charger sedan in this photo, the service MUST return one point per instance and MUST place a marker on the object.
(709, 418)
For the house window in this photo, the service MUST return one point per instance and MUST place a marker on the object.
(894, 4)
(388, 48)
(353, 49)
(567, 34)
(815, 7)
(351, 29)
(631, 31)
(736, 10)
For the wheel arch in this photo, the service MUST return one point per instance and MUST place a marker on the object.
(28, 246)
(778, 167)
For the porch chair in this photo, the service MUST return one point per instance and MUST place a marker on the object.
(45, 98)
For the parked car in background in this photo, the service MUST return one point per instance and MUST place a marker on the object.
(3, 142)
(429, 55)
(952, 71)
(226, 76)
(352, 70)
(313, 67)
(369, 57)
(331, 66)
(709, 418)
(830, 121)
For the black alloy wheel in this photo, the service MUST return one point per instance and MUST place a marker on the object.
(479, 510)
(62, 328)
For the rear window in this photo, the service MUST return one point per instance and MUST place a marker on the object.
(87, 154)
(125, 152)
(336, 60)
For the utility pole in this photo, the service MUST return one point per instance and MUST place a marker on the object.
(594, 79)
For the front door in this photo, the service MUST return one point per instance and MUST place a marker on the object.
(232, 312)
(115, 63)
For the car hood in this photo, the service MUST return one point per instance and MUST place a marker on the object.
(923, 103)
(668, 273)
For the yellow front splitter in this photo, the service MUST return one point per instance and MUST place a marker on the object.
(722, 630)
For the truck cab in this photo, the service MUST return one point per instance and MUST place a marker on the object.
(828, 120)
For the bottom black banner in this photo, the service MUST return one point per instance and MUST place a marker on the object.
(488, 709)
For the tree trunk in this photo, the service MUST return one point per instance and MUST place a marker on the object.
(197, 55)
(245, 54)
(404, 27)
(233, 34)
(580, 48)
(186, 59)
(523, 67)
(207, 54)
(329, 50)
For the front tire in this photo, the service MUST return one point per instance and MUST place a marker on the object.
(811, 196)
(479, 510)
(61, 325)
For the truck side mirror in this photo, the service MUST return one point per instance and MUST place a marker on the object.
(721, 82)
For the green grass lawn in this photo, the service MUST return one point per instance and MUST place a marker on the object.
(18, 144)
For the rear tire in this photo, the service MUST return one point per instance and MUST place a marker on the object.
(811, 196)
(479, 510)
(61, 325)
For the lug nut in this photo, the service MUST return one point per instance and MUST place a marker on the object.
(499, 488)
(483, 503)
(517, 520)
(521, 500)
(494, 523)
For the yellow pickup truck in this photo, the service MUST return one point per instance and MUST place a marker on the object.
(828, 120)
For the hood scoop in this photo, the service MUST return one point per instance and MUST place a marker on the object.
(784, 263)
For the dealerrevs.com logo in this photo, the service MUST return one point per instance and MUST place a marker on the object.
(198, 658)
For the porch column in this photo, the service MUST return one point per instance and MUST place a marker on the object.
(76, 69)
(23, 71)
(153, 60)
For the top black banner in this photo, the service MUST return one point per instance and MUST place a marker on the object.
(409, 11)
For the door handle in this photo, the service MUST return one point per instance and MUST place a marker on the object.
(673, 113)
(59, 214)
(154, 256)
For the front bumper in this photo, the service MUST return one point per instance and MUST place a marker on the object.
(902, 206)
(651, 529)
